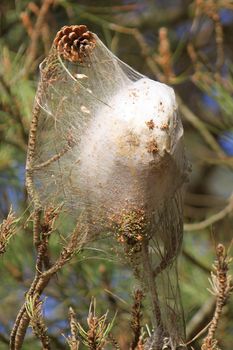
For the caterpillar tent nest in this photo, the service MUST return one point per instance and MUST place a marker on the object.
(106, 143)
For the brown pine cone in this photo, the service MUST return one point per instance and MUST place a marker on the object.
(74, 42)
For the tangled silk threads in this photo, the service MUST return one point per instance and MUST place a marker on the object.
(109, 146)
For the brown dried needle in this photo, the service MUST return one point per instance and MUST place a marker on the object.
(34, 310)
(72, 340)
(7, 230)
(96, 336)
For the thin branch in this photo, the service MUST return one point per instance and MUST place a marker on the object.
(17, 143)
(196, 262)
(4, 339)
(211, 220)
(52, 159)
(221, 289)
(42, 279)
(200, 126)
(33, 47)
(34, 310)
(14, 108)
(145, 48)
(136, 319)
(31, 151)
(200, 319)
(152, 288)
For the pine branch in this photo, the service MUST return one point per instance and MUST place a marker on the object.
(221, 283)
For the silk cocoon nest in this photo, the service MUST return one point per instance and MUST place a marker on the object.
(109, 148)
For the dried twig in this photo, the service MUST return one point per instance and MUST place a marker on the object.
(52, 159)
(199, 321)
(212, 219)
(4, 339)
(35, 34)
(136, 320)
(165, 57)
(211, 8)
(152, 287)
(195, 261)
(30, 159)
(221, 289)
(200, 126)
(26, 21)
(42, 279)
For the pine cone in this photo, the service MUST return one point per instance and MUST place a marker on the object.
(74, 42)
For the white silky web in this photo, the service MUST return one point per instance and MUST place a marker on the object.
(109, 147)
